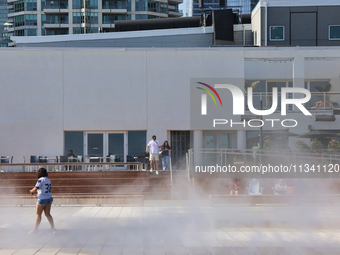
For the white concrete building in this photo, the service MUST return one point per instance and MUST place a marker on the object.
(55, 99)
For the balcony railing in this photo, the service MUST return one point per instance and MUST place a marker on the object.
(56, 5)
(56, 21)
(114, 6)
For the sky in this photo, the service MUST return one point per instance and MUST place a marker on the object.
(183, 7)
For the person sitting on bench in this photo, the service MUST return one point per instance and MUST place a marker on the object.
(235, 187)
(281, 187)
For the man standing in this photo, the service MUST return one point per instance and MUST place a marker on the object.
(154, 152)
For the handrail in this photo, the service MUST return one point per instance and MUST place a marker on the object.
(171, 180)
(82, 164)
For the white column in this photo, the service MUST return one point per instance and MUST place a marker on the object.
(39, 12)
(198, 139)
(198, 144)
(100, 14)
(133, 10)
(299, 72)
(241, 140)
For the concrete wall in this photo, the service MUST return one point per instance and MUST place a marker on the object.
(47, 91)
(256, 26)
(304, 26)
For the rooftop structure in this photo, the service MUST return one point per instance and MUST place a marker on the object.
(241, 6)
(296, 23)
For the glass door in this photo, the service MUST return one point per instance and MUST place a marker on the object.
(95, 144)
(211, 153)
(105, 143)
(116, 146)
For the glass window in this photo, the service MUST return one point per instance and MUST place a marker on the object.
(136, 143)
(57, 31)
(30, 32)
(110, 19)
(252, 139)
(141, 16)
(78, 30)
(74, 140)
(317, 88)
(94, 18)
(30, 20)
(334, 32)
(93, 4)
(76, 18)
(94, 30)
(76, 4)
(277, 33)
(116, 146)
(180, 143)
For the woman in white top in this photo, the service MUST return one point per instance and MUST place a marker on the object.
(45, 199)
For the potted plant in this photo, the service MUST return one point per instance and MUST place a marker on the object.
(301, 146)
(334, 146)
(317, 147)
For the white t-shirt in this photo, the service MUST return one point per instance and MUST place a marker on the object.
(44, 188)
(154, 146)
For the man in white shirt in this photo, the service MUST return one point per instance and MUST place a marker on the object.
(154, 147)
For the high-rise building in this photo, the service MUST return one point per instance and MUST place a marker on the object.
(58, 17)
(3, 19)
(243, 6)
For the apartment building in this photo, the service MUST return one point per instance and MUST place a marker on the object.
(242, 6)
(60, 17)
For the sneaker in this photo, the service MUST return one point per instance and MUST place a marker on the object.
(150, 170)
(156, 172)
(53, 230)
(33, 232)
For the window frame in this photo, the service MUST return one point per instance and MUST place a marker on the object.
(329, 33)
(270, 33)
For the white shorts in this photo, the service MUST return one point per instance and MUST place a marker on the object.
(154, 156)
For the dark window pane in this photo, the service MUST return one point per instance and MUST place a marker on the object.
(74, 140)
(136, 142)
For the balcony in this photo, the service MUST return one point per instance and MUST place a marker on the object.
(173, 13)
(56, 7)
(12, 1)
(175, 1)
(115, 11)
(10, 7)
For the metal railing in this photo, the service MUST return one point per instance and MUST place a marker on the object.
(71, 166)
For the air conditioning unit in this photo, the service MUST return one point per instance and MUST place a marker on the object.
(336, 111)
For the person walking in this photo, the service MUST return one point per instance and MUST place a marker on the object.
(153, 147)
(45, 199)
(165, 156)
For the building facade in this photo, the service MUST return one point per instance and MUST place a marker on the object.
(4, 37)
(49, 17)
(296, 23)
(242, 6)
(74, 98)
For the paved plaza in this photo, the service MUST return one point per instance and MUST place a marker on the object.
(172, 227)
